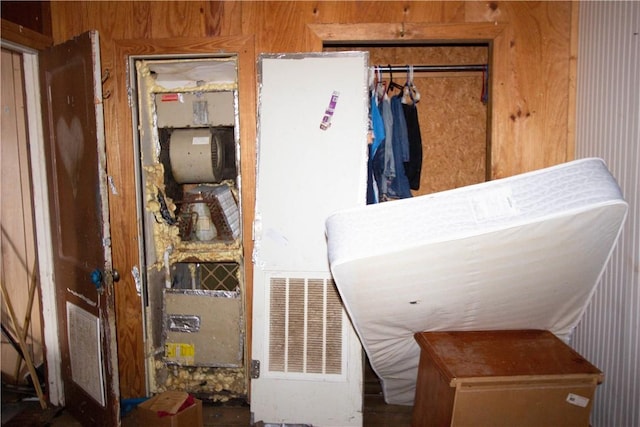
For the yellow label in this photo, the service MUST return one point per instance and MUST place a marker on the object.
(180, 352)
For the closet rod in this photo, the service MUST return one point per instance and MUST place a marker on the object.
(431, 68)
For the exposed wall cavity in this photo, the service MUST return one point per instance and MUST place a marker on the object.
(196, 98)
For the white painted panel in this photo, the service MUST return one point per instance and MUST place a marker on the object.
(306, 172)
(55, 386)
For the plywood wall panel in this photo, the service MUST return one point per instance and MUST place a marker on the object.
(388, 11)
(446, 11)
(278, 26)
(70, 18)
(223, 18)
(453, 122)
(113, 23)
(537, 91)
(479, 11)
(137, 16)
(427, 55)
(177, 19)
(365, 11)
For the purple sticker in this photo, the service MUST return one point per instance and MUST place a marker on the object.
(328, 113)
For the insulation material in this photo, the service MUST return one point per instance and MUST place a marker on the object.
(220, 384)
(165, 235)
(176, 73)
(524, 252)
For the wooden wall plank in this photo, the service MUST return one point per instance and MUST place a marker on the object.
(573, 74)
(222, 18)
(177, 19)
(530, 115)
(67, 20)
(446, 11)
(386, 11)
(538, 85)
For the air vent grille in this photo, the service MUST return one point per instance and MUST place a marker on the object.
(305, 326)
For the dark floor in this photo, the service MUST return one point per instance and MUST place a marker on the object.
(18, 412)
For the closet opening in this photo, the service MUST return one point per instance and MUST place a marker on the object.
(454, 115)
(453, 108)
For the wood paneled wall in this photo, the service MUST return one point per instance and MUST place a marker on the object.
(534, 118)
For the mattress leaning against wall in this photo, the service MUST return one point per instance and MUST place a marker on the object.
(523, 252)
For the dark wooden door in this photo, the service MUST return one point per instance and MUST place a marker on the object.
(83, 274)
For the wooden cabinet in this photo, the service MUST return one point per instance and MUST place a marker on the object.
(502, 378)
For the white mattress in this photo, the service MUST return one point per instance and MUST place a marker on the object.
(521, 252)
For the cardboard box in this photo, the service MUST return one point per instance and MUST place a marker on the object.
(149, 412)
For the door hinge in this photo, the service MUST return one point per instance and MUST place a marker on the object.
(129, 88)
(255, 369)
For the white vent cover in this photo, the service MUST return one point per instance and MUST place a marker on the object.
(305, 327)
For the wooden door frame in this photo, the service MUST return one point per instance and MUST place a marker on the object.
(398, 33)
(121, 168)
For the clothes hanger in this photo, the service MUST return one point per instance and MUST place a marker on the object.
(392, 84)
(381, 85)
(410, 94)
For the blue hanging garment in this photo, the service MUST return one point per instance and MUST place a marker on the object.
(377, 127)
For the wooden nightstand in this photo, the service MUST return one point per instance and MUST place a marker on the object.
(502, 378)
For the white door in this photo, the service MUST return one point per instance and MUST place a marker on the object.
(312, 155)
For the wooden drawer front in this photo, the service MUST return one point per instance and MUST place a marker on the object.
(523, 405)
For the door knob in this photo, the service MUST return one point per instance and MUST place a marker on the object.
(96, 279)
